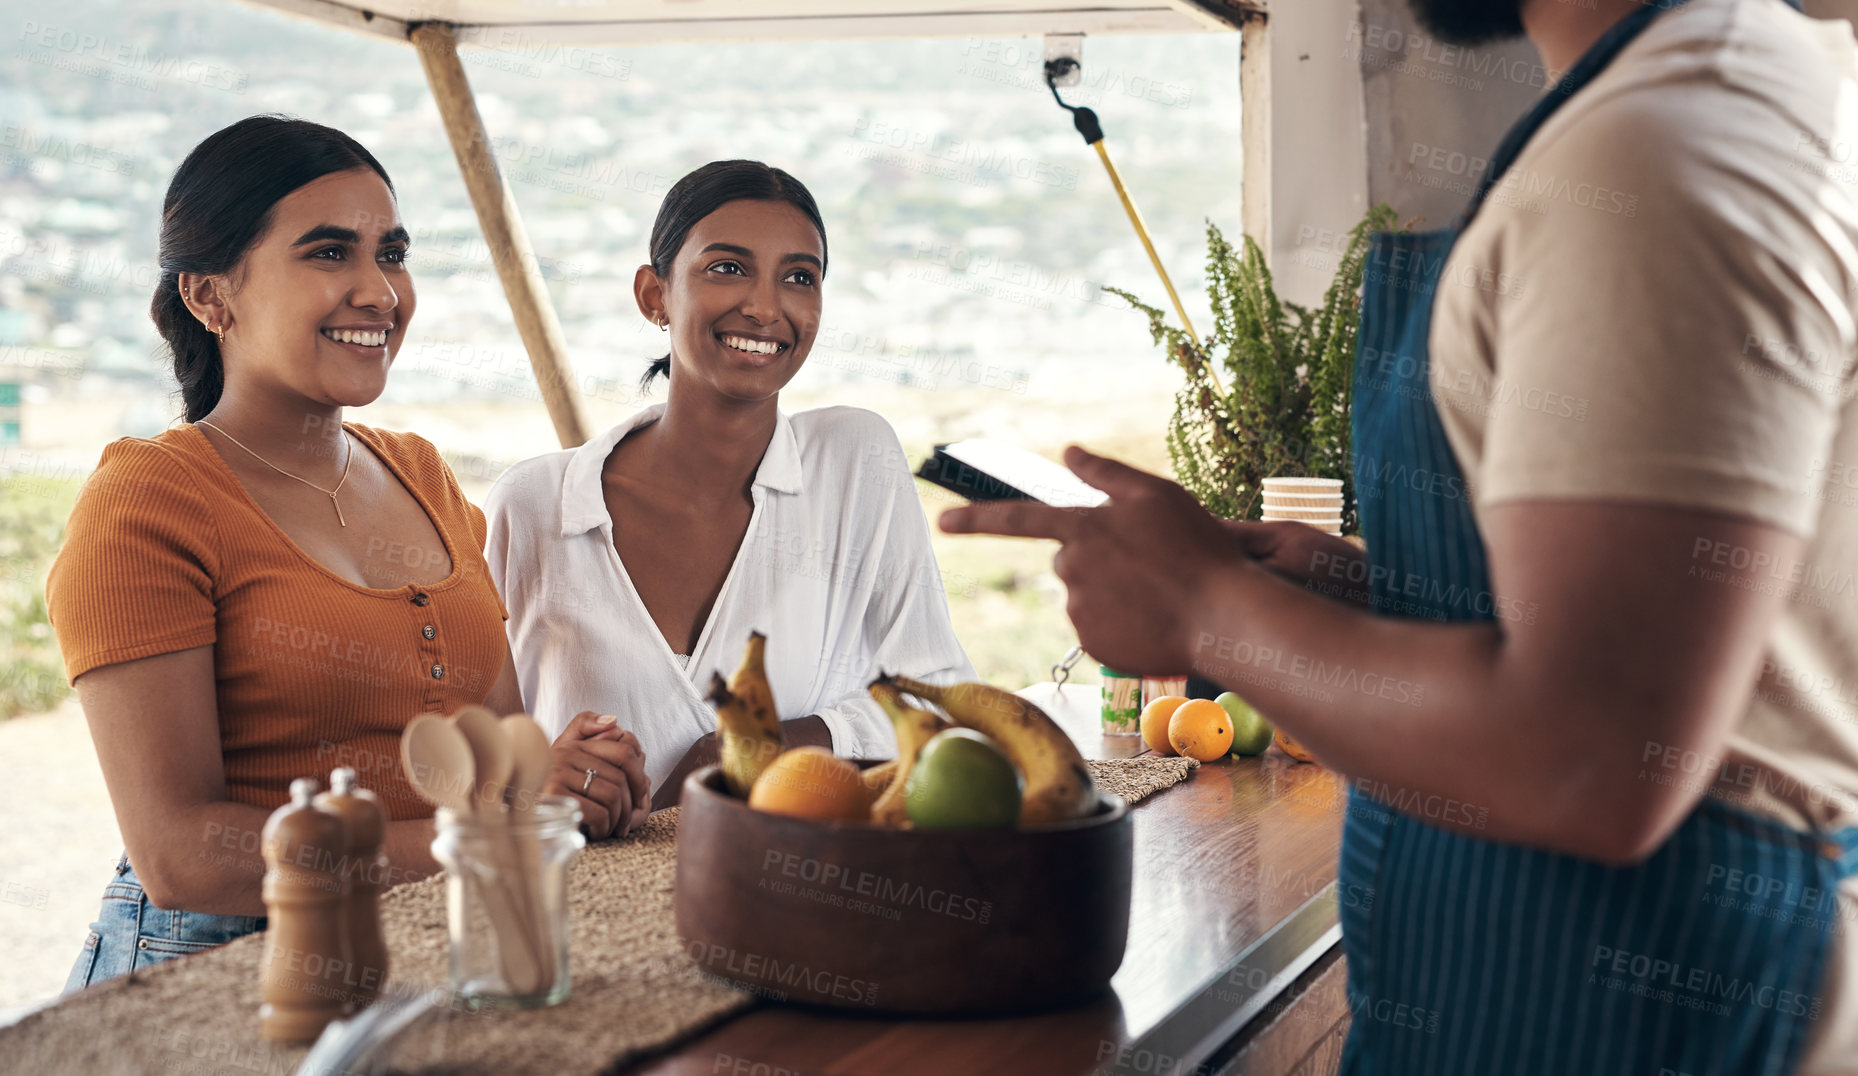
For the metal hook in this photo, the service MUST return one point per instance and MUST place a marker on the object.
(1055, 70)
(1082, 118)
(1062, 671)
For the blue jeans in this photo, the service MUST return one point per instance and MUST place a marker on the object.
(131, 932)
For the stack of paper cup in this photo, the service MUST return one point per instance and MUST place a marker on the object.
(1315, 501)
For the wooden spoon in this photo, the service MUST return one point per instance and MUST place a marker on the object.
(439, 762)
(490, 750)
(531, 754)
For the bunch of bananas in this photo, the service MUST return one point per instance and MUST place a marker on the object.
(914, 728)
(1057, 784)
(746, 720)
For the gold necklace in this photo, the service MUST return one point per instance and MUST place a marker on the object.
(329, 493)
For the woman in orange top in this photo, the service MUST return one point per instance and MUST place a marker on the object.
(266, 591)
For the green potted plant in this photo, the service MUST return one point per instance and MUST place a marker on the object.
(1279, 403)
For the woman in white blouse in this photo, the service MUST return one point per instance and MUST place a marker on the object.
(637, 565)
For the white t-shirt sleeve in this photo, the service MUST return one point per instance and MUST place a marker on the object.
(1640, 314)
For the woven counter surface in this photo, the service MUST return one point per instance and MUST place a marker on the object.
(635, 990)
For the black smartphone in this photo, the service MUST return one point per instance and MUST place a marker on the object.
(987, 470)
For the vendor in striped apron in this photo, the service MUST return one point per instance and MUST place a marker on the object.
(1524, 961)
(1601, 720)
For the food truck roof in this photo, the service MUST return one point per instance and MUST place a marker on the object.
(649, 22)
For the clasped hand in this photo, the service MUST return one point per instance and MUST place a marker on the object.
(618, 797)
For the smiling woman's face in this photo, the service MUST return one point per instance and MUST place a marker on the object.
(743, 299)
(321, 301)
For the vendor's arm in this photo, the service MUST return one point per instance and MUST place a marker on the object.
(155, 723)
(1331, 566)
(1539, 725)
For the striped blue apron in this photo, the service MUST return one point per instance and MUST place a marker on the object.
(1467, 956)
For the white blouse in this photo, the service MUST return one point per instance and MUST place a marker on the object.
(835, 568)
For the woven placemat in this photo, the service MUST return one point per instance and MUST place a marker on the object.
(1135, 779)
(635, 990)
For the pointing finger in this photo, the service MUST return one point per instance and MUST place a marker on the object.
(1013, 519)
(1113, 477)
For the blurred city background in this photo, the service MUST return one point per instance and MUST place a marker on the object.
(971, 232)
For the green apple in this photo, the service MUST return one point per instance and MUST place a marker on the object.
(962, 780)
(1251, 733)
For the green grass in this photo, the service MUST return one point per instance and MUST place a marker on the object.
(32, 525)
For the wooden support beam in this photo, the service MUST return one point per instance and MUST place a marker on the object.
(503, 231)
(1255, 132)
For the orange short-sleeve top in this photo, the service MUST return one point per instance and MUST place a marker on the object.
(165, 551)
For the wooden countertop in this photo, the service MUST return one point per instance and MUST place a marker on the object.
(1233, 900)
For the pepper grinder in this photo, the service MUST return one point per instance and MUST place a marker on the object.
(366, 826)
(306, 957)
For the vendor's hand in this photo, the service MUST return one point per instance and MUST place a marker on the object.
(1137, 568)
(618, 798)
(706, 751)
(1329, 565)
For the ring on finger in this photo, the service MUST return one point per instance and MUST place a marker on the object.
(587, 784)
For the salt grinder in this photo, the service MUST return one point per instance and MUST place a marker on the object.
(306, 957)
(366, 827)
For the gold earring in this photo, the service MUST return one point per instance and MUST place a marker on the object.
(217, 331)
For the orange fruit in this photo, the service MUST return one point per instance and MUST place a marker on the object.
(1155, 723)
(1291, 747)
(1201, 729)
(811, 783)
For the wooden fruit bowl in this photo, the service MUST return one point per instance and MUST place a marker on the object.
(931, 922)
